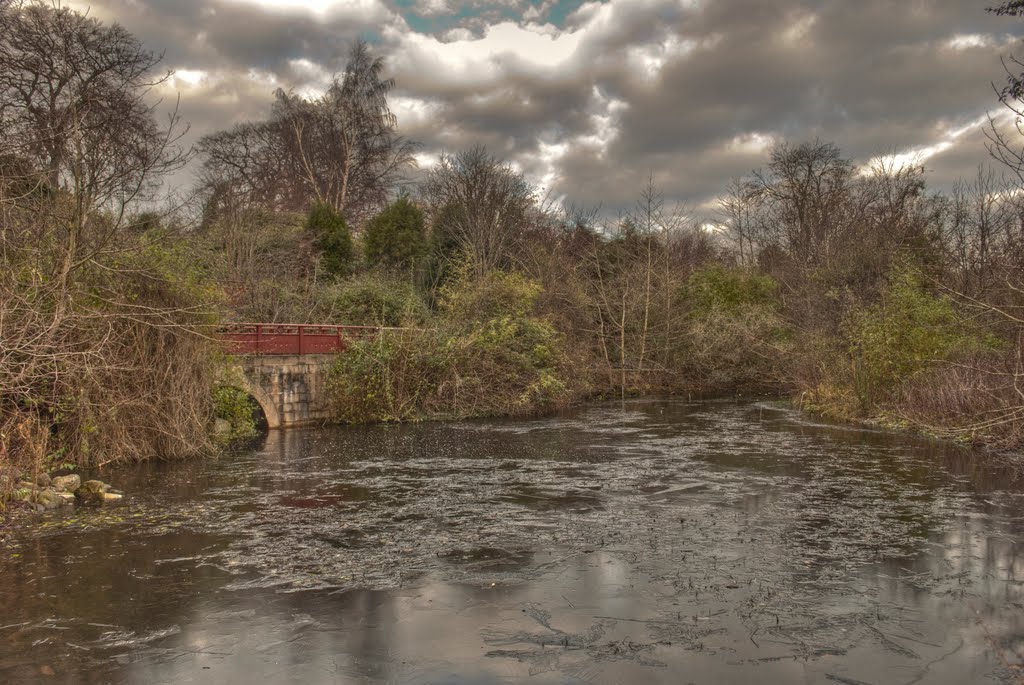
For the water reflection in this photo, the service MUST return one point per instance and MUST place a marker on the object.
(660, 542)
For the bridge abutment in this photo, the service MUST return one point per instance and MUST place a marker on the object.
(290, 389)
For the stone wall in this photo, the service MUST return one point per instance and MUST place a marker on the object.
(291, 389)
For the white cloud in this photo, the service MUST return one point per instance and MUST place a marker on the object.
(366, 10)
(965, 41)
(946, 139)
(468, 58)
(188, 78)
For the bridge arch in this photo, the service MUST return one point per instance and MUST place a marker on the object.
(291, 390)
(265, 403)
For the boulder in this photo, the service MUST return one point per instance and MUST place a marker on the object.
(91, 491)
(221, 427)
(43, 480)
(48, 498)
(97, 492)
(69, 483)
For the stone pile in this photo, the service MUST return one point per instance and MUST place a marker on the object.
(45, 492)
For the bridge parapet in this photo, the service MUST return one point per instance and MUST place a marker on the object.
(292, 338)
(286, 366)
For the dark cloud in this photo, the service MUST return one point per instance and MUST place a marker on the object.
(690, 91)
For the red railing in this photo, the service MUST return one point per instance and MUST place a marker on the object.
(291, 338)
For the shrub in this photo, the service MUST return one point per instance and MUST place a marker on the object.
(371, 299)
(332, 238)
(735, 337)
(718, 289)
(387, 378)
(488, 354)
(976, 399)
(909, 330)
(236, 407)
(396, 238)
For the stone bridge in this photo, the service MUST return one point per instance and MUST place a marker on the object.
(285, 366)
(290, 389)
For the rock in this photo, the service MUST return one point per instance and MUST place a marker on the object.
(68, 497)
(221, 427)
(94, 487)
(97, 492)
(48, 498)
(43, 480)
(67, 483)
(91, 491)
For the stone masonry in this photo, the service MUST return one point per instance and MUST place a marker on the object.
(291, 389)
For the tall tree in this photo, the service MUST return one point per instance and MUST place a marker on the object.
(396, 237)
(487, 205)
(803, 191)
(75, 105)
(99, 356)
(340, 149)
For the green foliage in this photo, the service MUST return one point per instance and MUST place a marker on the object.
(735, 338)
(332, 238)
(909, 330)
(496, 296)
(488, 354)
(371, 299)
(171, 272)
(396, 238)
(442, 250)
(728, 291)
(388, 378)
(236, 407)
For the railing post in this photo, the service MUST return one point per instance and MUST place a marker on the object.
(301, 338)
(258, 327)
(341, 341)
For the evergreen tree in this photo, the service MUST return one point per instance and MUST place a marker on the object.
(332, 238)
(396, 237)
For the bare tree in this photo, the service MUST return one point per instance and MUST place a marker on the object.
(95, 337)
(75, 104)
(487, 204)
(737, 209)
(1004, 145)
(340, 149)
(803, 190)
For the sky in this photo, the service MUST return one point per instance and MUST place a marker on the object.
(589, 99)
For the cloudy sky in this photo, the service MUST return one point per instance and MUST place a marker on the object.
(588, 98)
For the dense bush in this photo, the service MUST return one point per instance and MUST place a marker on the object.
(331, 238)
(908, 331)
(371, 299)
(486, 354)
(90, 392)
(396, 238)
(235, 406)
(735, 337)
